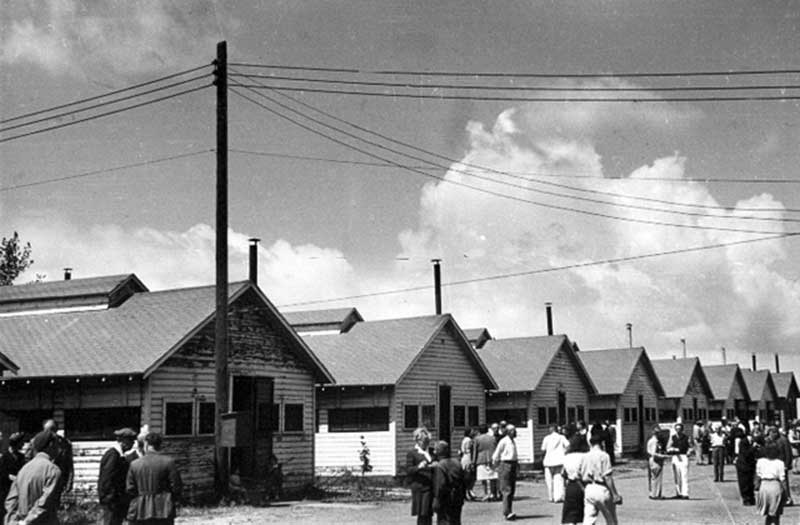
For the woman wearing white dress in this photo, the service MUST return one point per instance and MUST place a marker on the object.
(770, 474)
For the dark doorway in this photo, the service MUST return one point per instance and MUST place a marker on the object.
(562, 408)
(444, 413)
(694, 410)
(253, 396)
(640, 408)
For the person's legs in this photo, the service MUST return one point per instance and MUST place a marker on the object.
(684, 468)
(698, 451)
(656, 471)
(589, 506)
(558, 484)
(787, 489)
(608, 508)
(676, 475)
(548, 481)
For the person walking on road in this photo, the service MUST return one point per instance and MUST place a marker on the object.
(656, 455)
(507, 461)
(600, 493)
(111, 480)
(419, 476)
(769, 478)
(679, 448)
(572, 511)
(154, 486)
(718, 447)
(554, 446)
(484, 449)
(746, 469)
(34, 494)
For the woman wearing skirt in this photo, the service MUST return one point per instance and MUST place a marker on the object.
(769, 478)
(572, 511)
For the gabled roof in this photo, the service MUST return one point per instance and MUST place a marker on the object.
(721, 379)
(611, 370)
(478, 336)
(102, 290)
(131, 339)
(382, 352)
(519, 364)
(758, 381)
(676, 375)
(341, 319)
(785, 384)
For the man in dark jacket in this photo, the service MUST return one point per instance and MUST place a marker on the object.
(11, 462)
(63, 457)
(33, 497)
(154, 484)
(746, 469)
(111, 481)
(448, 487)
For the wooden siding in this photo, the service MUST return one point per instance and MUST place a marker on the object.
(256, 349)
(525, 435)
(443, 362)
(338, 452)
(694, 391)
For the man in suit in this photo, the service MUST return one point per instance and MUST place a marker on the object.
(448, 487)
(111, 481)
(485, 444)
(34, 495)
(154, 486)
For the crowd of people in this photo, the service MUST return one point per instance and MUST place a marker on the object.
(763, 456)
(136, 482)
(578, 466)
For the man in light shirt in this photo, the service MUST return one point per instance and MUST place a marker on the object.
(718, 448)
(554, 446)
(600, 493)
(506, 460)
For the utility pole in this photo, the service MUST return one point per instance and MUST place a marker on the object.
(221, 318)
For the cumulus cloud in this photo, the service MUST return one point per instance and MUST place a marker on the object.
(104, 39)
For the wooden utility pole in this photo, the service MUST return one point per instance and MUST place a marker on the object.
(221, 318)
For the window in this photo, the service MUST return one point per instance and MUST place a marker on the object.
(411, 419)
(206, 414)
(275, 418)
(714, 414)
(459, 416)
(99, 423)
(473, 416)
(541, 416)
(293, 417)
(358, 419)
(516, 416)
(552, 415)
(730, 413)
(429, 416)
(570, 414)
(581, 412)
(627, 412)
(635, 414)
(178, 419)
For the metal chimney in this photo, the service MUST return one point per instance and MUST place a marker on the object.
(777, 364)
(683, 342)
(754, 362)
(437, 284)
(629, 327)
(724, 357)
(548, 308)
(254, 259)
(67, 274)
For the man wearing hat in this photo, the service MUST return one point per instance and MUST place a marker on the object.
(111, 481)
(34, 494)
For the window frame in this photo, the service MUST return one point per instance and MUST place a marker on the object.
(206, 402)
(406, 408)
(302, 418)
(385, 426)
(192, 402)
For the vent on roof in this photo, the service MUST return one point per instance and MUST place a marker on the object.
(548, 308)
(67, 274)
(254, 260)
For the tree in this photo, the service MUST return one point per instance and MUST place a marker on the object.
(15, 258)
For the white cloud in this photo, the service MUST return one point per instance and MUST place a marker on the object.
(104, 39)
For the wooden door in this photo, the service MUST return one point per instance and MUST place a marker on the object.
(444, 413)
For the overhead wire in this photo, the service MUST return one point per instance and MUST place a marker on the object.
(443, 179)
(551, 269)
(509, 174)
(104, 114)
(104, 95)
(148, 162)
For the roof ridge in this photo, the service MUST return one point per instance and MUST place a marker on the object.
(187, 288)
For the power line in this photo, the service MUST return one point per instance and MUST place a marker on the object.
(106, 170)
(545, 270)
(487, 98)
(575, 175)
(108, 94)
(478, 74)
(484, 87)
(105, 114)
(509, 174)
(489, 192)
(103, 104)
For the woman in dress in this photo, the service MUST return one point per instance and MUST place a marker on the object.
(466, 452)
(419, 476)
(572, 511)
(769, 480)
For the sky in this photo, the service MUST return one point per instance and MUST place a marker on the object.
(334, 229)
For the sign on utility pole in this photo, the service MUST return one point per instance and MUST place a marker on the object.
(221, 317)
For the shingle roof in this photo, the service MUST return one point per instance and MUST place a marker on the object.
(62, 289)
(380, 352)
(757, 382)
(331, 316)
(721, 379)
(610, 370)
(127, 340)
(675, 375)
(478, 336)
(519, 364)
(785, 384)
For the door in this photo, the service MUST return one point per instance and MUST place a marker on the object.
(253, 396)
(562, 408)
(640, 408)
(444, 413)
